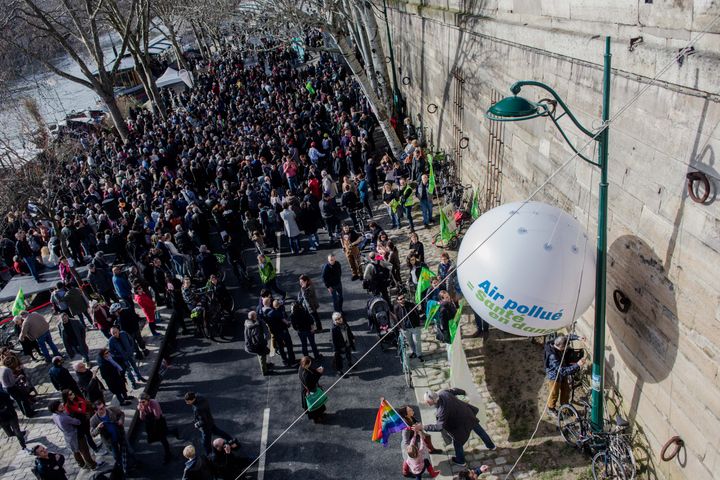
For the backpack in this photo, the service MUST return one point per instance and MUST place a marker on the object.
(380, 278)
(254, 339)
(271, 215)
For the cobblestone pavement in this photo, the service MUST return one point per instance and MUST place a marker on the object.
(15, 463)
(434, 374)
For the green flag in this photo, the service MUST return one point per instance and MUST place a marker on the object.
(455, 322)
(19, 304)
(475, 210)
(423, 283)
(430, 311)
(394, 203)
(445, 233)
(431, 182)
(309, 88)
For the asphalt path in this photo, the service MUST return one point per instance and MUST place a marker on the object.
(239, 395)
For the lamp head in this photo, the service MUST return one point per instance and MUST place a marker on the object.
(514, 109)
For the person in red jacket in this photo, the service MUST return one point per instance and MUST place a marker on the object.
(147, 305)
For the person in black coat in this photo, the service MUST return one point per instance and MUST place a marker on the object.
(304, 325)
(114, 376)
(204, 420)
(49, 466)
(72, 332)
(9, 418)
(310, 380)
(343, 341)
(90, 385)
(61, 378)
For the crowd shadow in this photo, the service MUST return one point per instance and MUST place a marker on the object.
(360, 418)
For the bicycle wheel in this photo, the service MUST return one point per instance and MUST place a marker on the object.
(570, 424)
(622, 450)
(605, 467)
(407, 373)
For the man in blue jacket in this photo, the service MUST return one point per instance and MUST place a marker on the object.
(123, 289)
(121, 346)
(558, 373)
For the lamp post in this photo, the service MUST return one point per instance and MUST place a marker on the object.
(513, 109)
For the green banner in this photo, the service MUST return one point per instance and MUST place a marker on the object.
(475, 210)
(423, 283)
(19, 304)
(431, 181)
(455, 322)
(445, 233)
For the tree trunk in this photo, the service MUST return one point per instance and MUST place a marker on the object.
(115, 114)
(172, 36)
(148, 81)
(377, 52)
(199, 40)
(364, 44)
(379, 107)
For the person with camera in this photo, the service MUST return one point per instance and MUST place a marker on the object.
(559, 369)
(204, 421)
(225, 461)
(109, 423)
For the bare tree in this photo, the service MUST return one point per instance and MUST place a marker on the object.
(170, 13)
(338, 18)
(76, 27)
(138, 44)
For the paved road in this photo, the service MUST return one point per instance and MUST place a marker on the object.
(239, 395)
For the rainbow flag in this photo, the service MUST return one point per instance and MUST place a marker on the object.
(387, 421)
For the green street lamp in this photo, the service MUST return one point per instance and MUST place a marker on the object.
(514, 109)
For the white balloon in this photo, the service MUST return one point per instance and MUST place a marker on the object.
(533, 274)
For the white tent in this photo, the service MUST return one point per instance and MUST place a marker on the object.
(170, 77)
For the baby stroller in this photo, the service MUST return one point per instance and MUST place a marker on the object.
(379, 319)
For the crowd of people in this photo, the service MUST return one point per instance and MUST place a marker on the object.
(258, 149)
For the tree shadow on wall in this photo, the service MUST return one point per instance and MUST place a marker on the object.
(646, 335)
(514, 375)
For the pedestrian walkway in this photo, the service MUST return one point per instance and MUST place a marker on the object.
(434, 374)
(15, 463)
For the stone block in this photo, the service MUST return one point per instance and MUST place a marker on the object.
(666, 14)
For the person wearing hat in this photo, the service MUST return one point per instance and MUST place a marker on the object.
(559, 370)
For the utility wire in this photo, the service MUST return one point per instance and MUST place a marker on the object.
(617, 114)
(460, 262)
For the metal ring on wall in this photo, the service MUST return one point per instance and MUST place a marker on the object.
(432, 108)
(622, 302)
(388, 59)
(679, 444)
(692, 179)
(406, 81)
(464, 143)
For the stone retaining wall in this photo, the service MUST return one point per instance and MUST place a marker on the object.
(663, 354)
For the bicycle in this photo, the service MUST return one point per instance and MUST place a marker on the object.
(402, 344)
(361, 220)
(611, 449)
